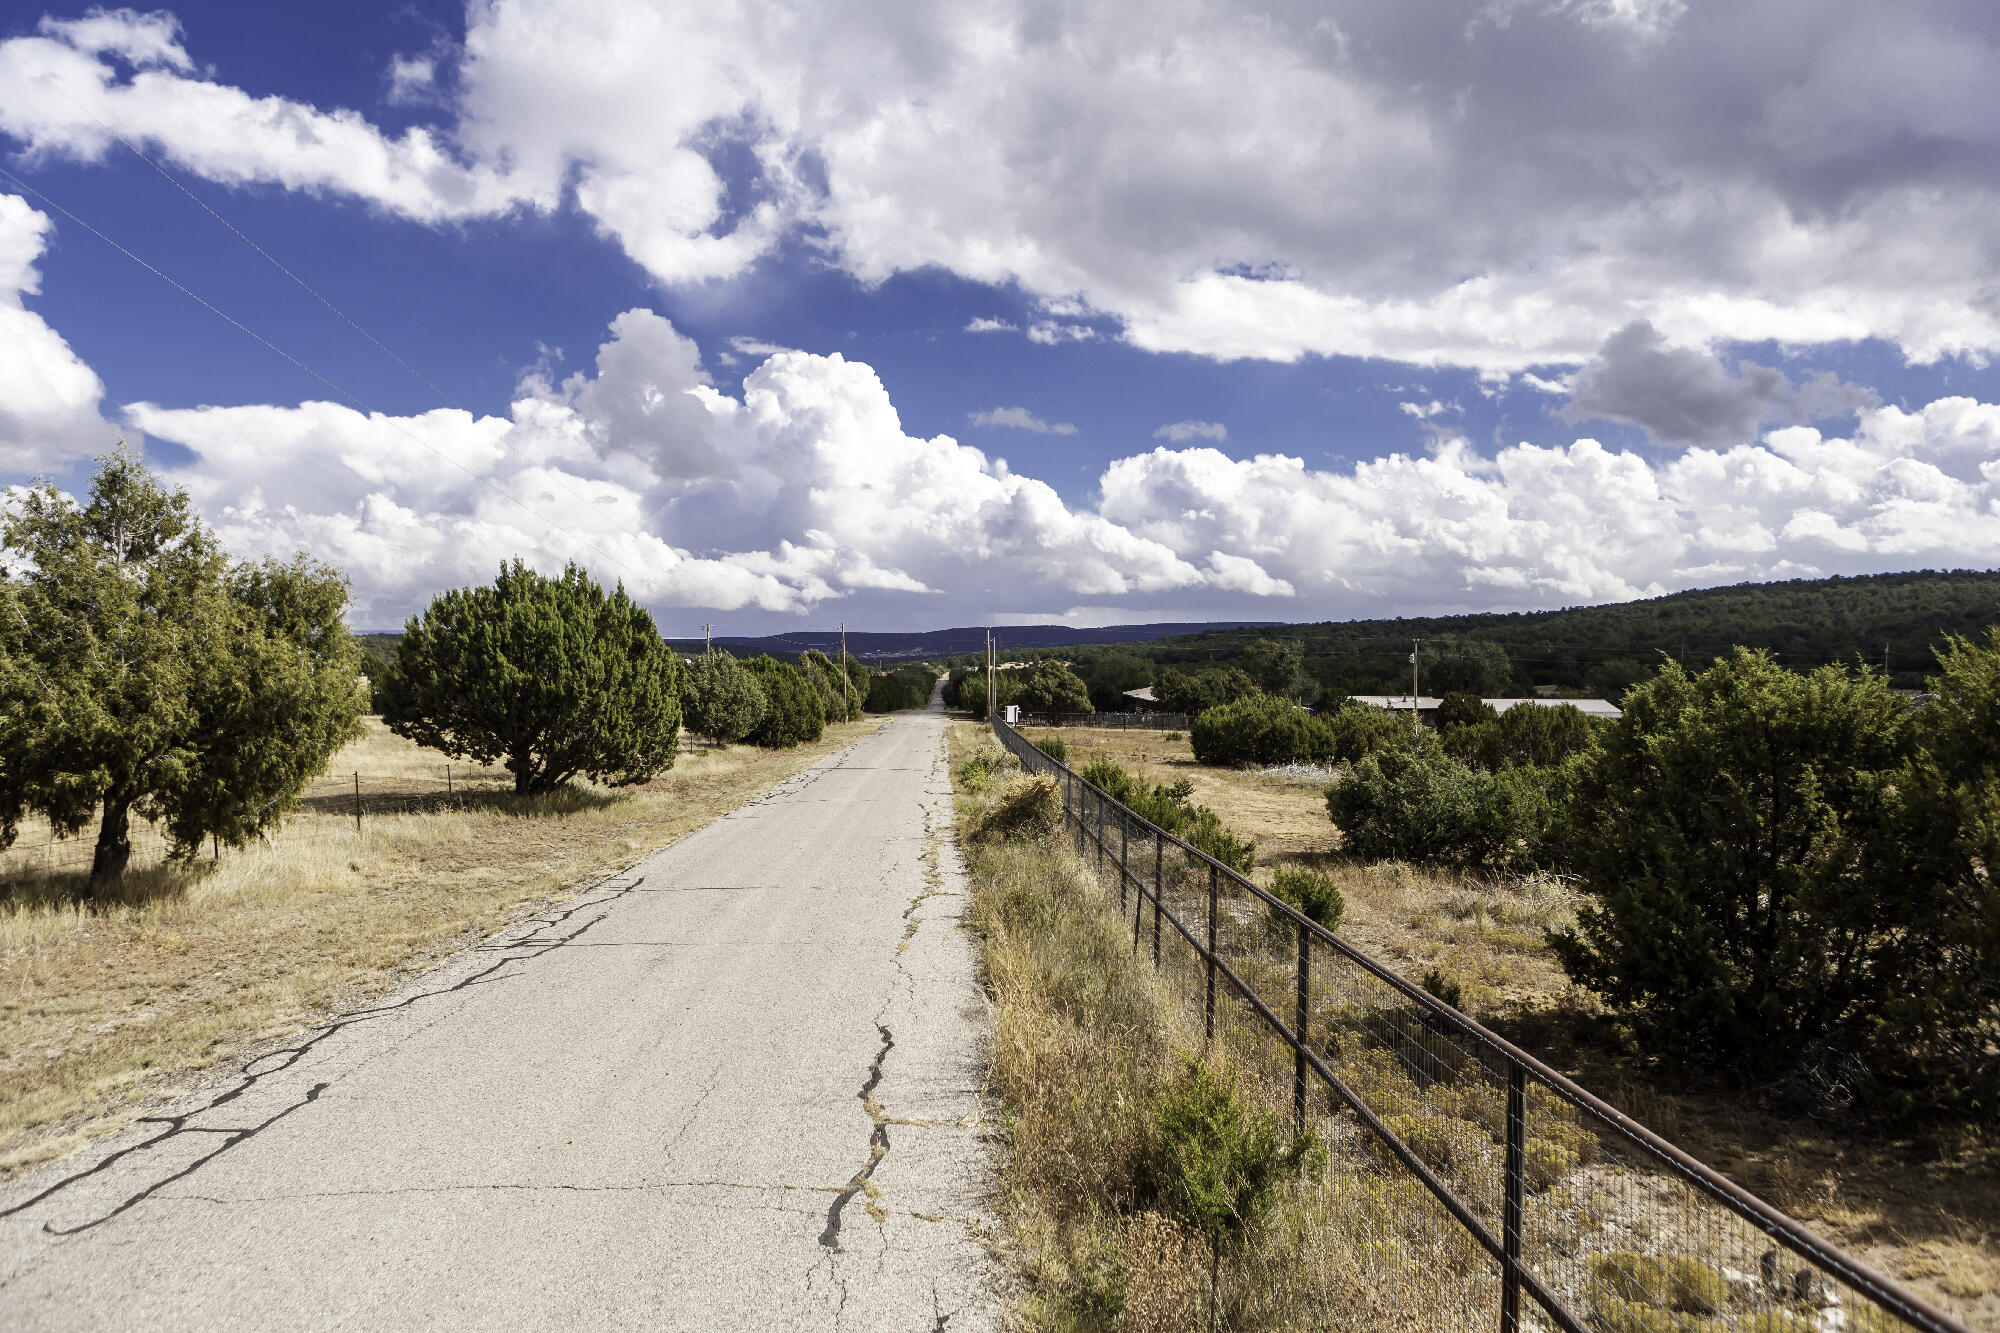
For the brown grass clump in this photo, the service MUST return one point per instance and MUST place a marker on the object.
(109, 1007)
(1030, 809)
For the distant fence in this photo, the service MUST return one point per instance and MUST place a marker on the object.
(1119, 721)
(1551, 1193)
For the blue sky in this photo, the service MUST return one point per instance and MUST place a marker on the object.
(1294, 313)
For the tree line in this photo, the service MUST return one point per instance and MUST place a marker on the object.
(1782, 872)
(1896, 622)
(144, 674)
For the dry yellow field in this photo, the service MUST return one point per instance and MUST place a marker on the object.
(1925, 1208)
(105, 1012)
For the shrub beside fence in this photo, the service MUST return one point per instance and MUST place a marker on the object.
(1518, 1181)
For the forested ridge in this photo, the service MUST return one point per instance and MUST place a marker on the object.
(1805, 622)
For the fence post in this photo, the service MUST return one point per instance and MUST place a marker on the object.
(1139, 903)
(1124, 874)
(1100, 833)
(1510, 1224)
(1299, 1030)
(1208, 1005)
(1159, 860)
(447, 779)
(357, 802)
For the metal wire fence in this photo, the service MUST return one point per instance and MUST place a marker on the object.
(1535, 1204)
(1113, 721)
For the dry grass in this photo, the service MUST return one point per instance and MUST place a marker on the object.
(1086, 1037)
(1923, 1208)
(108, 1008)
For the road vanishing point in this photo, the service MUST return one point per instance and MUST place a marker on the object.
(737, 1086)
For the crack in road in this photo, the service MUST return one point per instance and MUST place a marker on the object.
(878, 1145)
(535, 941)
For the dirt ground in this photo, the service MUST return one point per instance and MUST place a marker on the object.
(1925, 1208)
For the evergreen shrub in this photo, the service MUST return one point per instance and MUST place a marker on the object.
(1261, 729)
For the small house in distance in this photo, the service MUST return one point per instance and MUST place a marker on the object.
(1427, 705)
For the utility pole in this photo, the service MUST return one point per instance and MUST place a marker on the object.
(706, 646)
(1885, 664)
(1416, 722)
(989, 676)
(846, 681)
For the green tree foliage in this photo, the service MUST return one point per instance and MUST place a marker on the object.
(1783, 864)
(1261, 729)
(721, 698)
(142, 673)
(1194, 692)
(793, 714)
(1054, 688)
(841, 700)
(1597, 650)
(1359, 730)
(1459, 709)
(552, 675)
(1411, 801)
(1109, 675)
(971, 690)
(1276, 665)
(1170, 809)
(1541, 734)
(893, 691)
(1457, 664)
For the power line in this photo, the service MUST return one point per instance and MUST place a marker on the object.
(363, 407)
(310, 290)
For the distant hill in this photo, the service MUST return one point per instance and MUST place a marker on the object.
(1806, 622)
(912, 645)
(915, 644)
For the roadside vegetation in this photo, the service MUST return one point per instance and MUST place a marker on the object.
(1148, 1183)
(1831, 1071)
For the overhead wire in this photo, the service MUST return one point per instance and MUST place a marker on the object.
(356, 401)
(314, 292)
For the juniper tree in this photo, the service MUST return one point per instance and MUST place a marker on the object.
(141, 673)
(721, 699)
(794, 711)
(554, 676)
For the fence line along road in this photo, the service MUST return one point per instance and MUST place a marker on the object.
(1602, 1224)
(1115, 721)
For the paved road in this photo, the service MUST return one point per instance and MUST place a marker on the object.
(736, 1087)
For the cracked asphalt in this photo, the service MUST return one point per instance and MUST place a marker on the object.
(736, 1086)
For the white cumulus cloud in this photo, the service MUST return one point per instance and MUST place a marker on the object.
(1180, 432)
(48, 397)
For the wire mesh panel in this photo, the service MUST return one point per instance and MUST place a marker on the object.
(1530, 1203)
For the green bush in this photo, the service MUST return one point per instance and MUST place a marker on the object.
(1312, 892)
(1413, 802)
(894, 691)
(720, 698)
(1211, 1161)
(839, 699)
(1458, 709)
(554, 675)
(977, 773)
(1054, 688)
(1052, 744)
(1795, 868)
(793, 714)
(1359, 730)
(970, 693)
(1194, 692)
(1169, 808)
(1261, 729)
